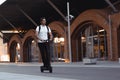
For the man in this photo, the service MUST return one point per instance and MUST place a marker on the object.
(42, 33)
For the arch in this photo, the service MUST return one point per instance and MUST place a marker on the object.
(15, 38)
(97, 17)
(58, 26)
(27, 43)
(61, 29)
(91, 15)
(12, 47)
(30, 33)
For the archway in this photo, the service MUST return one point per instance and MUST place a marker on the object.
(15, 49)
(89, 41)
(15, 55)
(29, 50)
(59, 45)
(98, 18)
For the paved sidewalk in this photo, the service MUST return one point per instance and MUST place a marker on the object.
(109, 64)
(13, 76)
(17, 76)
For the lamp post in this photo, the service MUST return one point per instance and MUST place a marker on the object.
(69, 37)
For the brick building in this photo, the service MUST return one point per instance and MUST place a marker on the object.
(94, 34)
(93, 30)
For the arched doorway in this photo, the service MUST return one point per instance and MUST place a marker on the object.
(30, 53)
(57, 47)
(15, 52)
(89, 41)
(15, 49)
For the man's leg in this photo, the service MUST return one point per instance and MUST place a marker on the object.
(47, 49)
(42, 51)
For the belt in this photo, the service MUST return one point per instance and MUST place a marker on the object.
(44, 40)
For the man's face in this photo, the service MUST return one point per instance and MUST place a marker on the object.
(43, 22)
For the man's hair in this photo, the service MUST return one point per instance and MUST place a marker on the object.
(42, 18)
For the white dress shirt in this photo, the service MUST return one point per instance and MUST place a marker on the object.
(42, 34)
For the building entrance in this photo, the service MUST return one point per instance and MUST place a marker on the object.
(93, 42)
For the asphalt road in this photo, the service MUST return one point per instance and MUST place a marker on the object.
(79, 73)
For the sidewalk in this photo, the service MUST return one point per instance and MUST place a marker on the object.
(110, 64)
(13, 76)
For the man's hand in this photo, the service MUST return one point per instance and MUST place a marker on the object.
(51, 36)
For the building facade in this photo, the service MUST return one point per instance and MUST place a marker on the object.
(94, 34)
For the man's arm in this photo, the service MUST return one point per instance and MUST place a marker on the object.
(51, 36)
(37, 32)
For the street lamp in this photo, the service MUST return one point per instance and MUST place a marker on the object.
(69, 35)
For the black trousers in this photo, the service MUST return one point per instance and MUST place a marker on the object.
(45, 53)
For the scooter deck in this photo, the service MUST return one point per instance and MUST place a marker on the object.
(42, 68)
